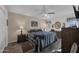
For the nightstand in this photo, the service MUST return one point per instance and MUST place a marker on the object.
(21, 38)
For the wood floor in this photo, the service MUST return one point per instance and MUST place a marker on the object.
(17, 48)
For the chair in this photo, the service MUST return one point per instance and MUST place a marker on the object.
(74, 48)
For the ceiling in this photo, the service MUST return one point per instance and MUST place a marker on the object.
(35, 10)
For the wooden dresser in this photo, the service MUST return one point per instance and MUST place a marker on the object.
(69, 35)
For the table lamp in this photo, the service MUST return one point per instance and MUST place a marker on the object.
(21, 28)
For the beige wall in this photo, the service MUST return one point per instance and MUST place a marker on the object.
(17, 20)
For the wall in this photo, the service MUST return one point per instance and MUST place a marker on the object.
(17, 20)
(62, 19)
(3, 28)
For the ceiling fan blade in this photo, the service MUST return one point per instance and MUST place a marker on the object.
(51, 13)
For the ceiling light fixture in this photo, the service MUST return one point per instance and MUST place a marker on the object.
(45, 13)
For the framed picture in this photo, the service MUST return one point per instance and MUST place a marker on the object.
(34, 24)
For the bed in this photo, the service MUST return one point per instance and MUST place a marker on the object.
(43, 39)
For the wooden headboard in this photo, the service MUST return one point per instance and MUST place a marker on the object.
(34, 30)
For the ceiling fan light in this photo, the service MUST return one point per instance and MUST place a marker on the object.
(45, 15)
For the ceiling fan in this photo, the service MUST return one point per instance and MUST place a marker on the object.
(46, 11)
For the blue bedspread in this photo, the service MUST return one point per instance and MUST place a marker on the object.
(45, 38)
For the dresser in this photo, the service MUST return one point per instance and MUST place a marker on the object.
(69, 36)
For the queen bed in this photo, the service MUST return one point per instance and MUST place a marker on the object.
(43, 39)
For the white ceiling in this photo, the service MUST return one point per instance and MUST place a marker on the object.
(35, 10)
